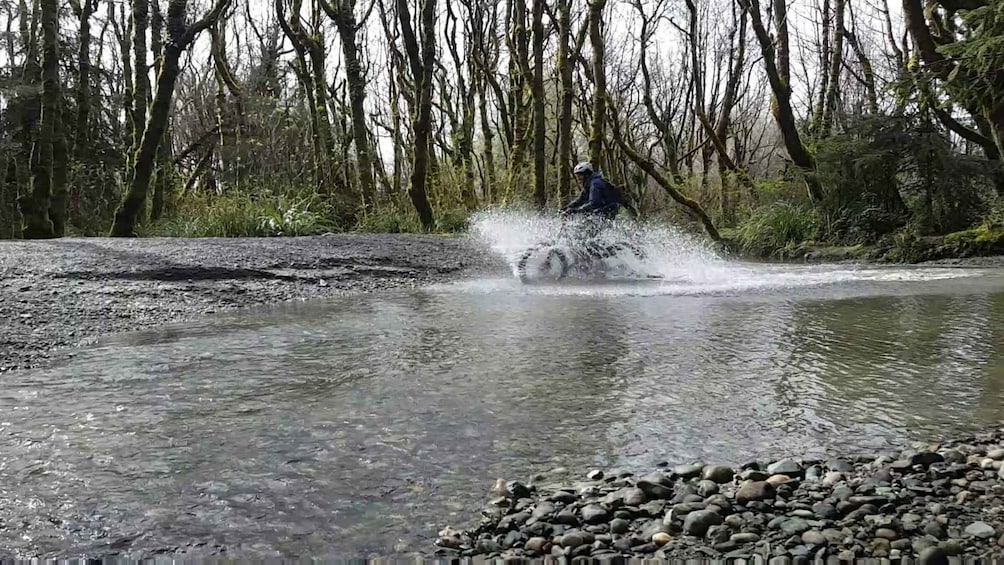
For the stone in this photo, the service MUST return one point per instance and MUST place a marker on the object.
(1000, 474)
(744, 537)
(619, 526)
(754, 490)
(788, 467)
(513, 521)
(842, 465)
(886, 533)
(661, 538)
(707, 487)
(566, 517)
(512, 539)
(571, 540)
(996, 454)
(634, 497)
(697, 523)
(778, 479)
(952, 547)
(880, 547)
(595, 514)
(537, 545)
(824, 510)
(720, 474)
(932, 556)
(655, 490)
(831, 478)
(813, 538)
(564, 497)
(794, 526)
(980, 530)
(688, 471)
(753, 475)
(926, 458)
(1000, 542)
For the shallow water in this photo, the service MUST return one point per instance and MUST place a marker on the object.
(365, 424)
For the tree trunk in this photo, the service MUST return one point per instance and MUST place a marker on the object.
(127, 216)
(422, 65)
(598, 126)
(537, 87)
(141, 84)
(866, 66)
(776, 65)
(82, 131)
(36, 206)
(566, 96)
(164, 174)
(836, 64)
(343, 14)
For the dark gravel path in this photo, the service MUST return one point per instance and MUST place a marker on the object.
(65, 292)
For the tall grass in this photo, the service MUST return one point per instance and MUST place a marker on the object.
(241, 215)
(771, 229)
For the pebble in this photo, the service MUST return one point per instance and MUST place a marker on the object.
(661, 538)
(813, 537)
(697, 523)
(718, 473)
(785, 467)
(754, 490)
(932, 556)
(595, 514)
(980, 530)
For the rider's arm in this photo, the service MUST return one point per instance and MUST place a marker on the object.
(583, 198)
(595, 195)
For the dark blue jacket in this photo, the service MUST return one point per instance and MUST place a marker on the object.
(597, 195)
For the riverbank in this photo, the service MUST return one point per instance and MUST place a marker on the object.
(62, 293)
(931, 503)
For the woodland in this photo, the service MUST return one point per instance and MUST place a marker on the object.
(764, 123)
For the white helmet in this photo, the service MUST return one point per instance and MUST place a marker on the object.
(584, 167)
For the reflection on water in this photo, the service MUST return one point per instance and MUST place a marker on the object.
(366, 424)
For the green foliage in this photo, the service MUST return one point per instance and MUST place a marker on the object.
(240, 215)
(390, 221)
(454, 220)
(979, 77)
(769, 230)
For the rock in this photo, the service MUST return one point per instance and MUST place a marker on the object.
(566, 517)
(619, 526)
(564, 497)
(794, 526)
(1000, 474)
(932, 556)
(996, 454)
(926, 458)
(655, 490)
(980, 530)
(824, 510)
(788, 467)
(847, 556)
(517, 490)
(880, 547)
(537, 545)
(886, 533)
(595, 475)
(595, 514)
(688, 471)
(512, 521)
(512, 539)
(753, 475)
(745, 537)
(813, 538)
(754, 490)
(952, 547)
(841, 465)
(831, 478)
(777, 480)
(707, 487)
(661, 538)
(571, 540)
(1000, 542)
(634, 497)
(698, 522)
(720, 474)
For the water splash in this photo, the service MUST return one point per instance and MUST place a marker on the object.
(682, 263)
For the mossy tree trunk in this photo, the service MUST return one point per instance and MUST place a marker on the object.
(36, 205)
(566, 96)
(422, 67)
(181, 37)
(597, 134)
(537, 90)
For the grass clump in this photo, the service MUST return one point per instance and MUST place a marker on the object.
(768, 231)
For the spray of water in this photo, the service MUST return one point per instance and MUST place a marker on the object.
(682, 263)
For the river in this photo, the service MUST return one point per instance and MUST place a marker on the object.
(365, 424)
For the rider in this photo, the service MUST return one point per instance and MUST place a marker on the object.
(599, 199)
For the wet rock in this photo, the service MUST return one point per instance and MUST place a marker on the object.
(813, 538)
(688, 471)
(707, 488)
(634, 497)
(697, 523)
(720, 474)
(537, 545)
(754, 490)
(513, 521)
(880, 547)
(932, 556)
(566, 517)
(778, 480)
(841, 465)
(794, 526)
(886, 533)
(745, 537)
(595, 475)
(654, 488)
(980, 530)
(661, 538)
(513, 538)
(996, 454)
(517, 490)
(564, 497)
(952, 547)
(595, 514)
(824, 510)
(788, 467)
(753, 475)
(571, 540)
(619, 526)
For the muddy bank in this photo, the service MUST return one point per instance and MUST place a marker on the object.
(62, 293)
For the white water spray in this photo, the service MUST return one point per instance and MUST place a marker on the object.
(684, 264)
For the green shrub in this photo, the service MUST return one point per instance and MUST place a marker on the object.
(769, 230)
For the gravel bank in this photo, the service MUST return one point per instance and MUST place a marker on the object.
(930, 503)
(65, 292)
